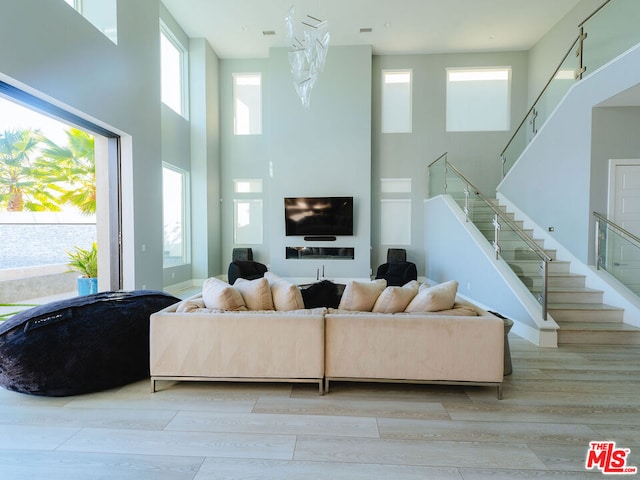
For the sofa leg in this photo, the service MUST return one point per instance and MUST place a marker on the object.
(321, 386)
(326, 385)
(153, 385)
(500, 392)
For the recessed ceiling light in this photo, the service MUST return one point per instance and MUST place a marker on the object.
(268, 32)
(366, 30)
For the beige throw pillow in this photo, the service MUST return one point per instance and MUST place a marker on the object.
(255, 293)
(396, 299)
(433, 299)
(190, 305)
(361, 296)
(286, 296)
(220, 295)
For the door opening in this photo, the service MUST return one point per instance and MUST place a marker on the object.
(88, 157)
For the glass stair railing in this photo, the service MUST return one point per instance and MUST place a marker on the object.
(524, 255)
(608, 32)
(618, 253)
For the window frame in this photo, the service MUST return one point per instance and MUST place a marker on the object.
(183, 53)
(234, 84)
(506, 124)
(396, 71)
(185, 214)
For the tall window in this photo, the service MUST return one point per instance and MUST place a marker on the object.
(396, 101)
(247, 103)
(478, 99)
(175, 212)
(173, 60)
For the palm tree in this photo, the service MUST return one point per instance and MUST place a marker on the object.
(22, 180)
(72, 169)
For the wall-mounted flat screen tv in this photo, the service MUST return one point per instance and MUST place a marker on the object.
(318, 216)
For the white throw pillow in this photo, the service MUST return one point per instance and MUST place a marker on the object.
(433, 299)
(396, 299)
(220, 295)
(361, 296)
(255, 293)
(286, 296)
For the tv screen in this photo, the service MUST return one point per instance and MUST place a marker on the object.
(318, 216)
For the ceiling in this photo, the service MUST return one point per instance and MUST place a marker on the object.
(234, 28)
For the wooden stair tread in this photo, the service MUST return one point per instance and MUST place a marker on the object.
(578, 309)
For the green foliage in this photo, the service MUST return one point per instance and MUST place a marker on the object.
(75, 169)
(84, 261)
(36, 174)
(22, 178)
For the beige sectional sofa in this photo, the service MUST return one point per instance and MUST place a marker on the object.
(457, 346)
(200, 344)
(442, 348)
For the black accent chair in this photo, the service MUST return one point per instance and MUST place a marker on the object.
(243, 266)
(397, 271)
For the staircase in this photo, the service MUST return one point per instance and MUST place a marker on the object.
(579, 311)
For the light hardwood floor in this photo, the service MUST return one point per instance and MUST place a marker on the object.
(555, 403)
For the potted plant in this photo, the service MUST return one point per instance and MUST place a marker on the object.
(85, 262)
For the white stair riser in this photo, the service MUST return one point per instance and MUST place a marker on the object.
(487, 225)
(534, 267)
(575, 297)
(574, 281)
(582, 317)
(588, 337)
(522, 254)
(585, 316)
(506, 234)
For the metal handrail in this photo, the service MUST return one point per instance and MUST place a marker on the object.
(437, 159)
(535, 102)
(618, 228)
(593, 14)
(500, 216)
(530, 243)
(580, 39)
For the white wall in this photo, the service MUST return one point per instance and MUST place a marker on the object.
(552, 181)
(546, 55)
(242, 156)
(325, 150)
(58, 55)
(406, 155)
(614, 136)
(175, 142)
(456, 250)
(205, 161)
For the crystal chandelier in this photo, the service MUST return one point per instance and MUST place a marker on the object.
(309, 40)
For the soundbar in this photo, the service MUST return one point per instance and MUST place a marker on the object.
(320, 238)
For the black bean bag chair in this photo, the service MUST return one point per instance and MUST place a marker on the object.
(80, 345)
